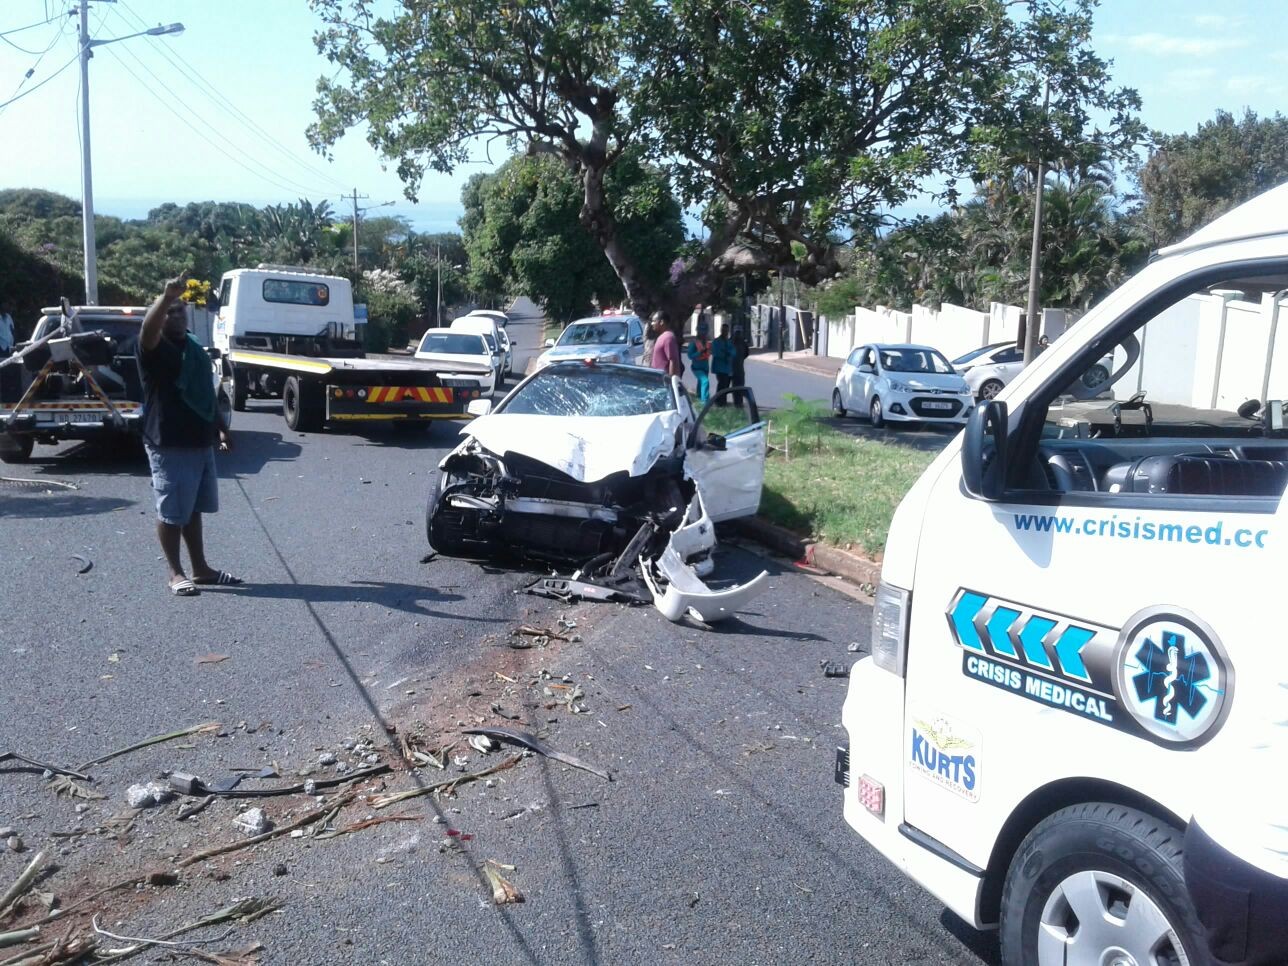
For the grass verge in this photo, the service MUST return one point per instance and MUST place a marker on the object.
(824, 484)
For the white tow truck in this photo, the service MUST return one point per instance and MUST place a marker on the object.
(290, 334)
(1074, 638)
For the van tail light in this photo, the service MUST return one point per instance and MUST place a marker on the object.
(890, 628)
(872, 795)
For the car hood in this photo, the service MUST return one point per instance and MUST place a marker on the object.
(586, 448)
(448, 362)
(929, 380)
(591, 351)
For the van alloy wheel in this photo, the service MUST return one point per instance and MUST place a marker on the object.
(1098, 917)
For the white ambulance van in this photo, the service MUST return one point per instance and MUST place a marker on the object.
(1074, 643)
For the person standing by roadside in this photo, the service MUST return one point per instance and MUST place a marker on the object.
(700, 361)
(646, 351)
(722, 356)
(740, 352)
(666, 348)
(181, 423)
(6, 331)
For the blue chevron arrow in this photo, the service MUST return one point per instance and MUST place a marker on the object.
(1036, 628)
(963, 616)
(998, 625)
(1069, 650)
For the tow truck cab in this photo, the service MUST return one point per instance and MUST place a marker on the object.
(1069, 641)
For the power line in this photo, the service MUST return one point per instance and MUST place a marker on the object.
(30, 26)
(206, 87)
(32, 90)
(200, 133)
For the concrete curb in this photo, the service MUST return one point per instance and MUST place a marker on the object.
(841, 563)
(795, 366)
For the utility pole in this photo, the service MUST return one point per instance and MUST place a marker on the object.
(355, 230)
(87, 46)
(1031, 321)
(438, 311)
(782, 314)
(87, 178)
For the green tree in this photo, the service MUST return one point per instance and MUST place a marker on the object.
(1190, 179)
(783, 121)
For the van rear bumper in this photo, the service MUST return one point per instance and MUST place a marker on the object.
(873, 717)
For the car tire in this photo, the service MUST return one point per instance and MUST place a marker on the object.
(303, 405)
(1095, 376)
(838, 409)
(15, 449)
(875, 413)
(241, 389)
(990, 389)
(1076, 875)
(226, 408)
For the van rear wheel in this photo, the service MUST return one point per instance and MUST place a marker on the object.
(1099, 883)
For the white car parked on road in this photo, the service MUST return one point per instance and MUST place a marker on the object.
(610, 339)
(901, 383)
(491, 333)
(462, 359)
(503, 337)
(988, 369)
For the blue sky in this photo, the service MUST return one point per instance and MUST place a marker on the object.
(1187, 58)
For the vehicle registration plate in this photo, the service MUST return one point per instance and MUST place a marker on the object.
(70, 417)
(938, 405)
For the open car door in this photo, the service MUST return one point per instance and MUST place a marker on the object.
(726, 455)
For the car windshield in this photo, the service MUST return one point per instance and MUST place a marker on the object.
(594, 333)
(452, 343)
(914, 360)
(971, 356)
(592, 391)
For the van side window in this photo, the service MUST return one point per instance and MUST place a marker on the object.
(1185, 410)
(226, 292)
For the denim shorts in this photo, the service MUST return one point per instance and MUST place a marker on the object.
(184, 481)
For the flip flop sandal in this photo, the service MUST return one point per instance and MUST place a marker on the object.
(221, 579)
(184, 588)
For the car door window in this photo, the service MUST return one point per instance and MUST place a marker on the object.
(856, 357)
(1009, 355)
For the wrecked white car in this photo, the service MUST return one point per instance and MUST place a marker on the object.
(606, 468)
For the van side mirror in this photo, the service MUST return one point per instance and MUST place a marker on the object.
(984, 451)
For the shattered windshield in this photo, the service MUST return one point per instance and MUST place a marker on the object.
(592, 391)
(595, 333)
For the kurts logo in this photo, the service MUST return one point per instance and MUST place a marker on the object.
(1164, 675)
(947, 753)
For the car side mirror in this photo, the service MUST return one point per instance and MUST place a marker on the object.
(865, 367)
(550, 343)
(638, 340)
(479, 407)
(984, 451)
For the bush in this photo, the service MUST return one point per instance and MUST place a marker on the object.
(389, 315)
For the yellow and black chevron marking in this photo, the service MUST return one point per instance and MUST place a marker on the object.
(392, 394)
(124, 407)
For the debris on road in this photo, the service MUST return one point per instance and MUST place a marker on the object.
(42, 765)
(148, 795)
(211, 658)
(253, 822)
(242, 911)
(481, 743)
(854, 647)
(503, 891)
(367, 823)
(835, 669)
(86, 564)
(333, 806)
(190, 810)
(533, 743)
(14, 843)
(208, 727)
(18, 936)
(186, 784)
(22, 884)
(392, 798)
(65, 785)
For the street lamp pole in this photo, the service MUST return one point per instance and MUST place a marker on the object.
(87, 176)
(1031, 321)
(438, 312)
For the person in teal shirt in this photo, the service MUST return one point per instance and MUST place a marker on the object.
(722, 359)
(699, 351)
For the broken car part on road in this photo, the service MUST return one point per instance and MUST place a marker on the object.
(607, 468)
(540, 747)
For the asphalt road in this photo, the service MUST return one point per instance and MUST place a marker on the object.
(719, 839)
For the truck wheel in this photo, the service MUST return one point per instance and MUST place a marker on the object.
(303, 405)
(241, 389)
(1099, 883)
(15, 449)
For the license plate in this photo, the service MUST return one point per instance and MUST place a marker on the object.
(937, 405)
(70, 417)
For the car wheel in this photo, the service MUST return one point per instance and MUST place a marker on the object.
(303, 405)
(1099, 883)
(225, 409)
(439, 529)
(15, 449)
(990, 389)
(838, 408)
(875, 413)
(1095, 376)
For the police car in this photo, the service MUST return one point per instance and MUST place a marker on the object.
(1082, 743)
